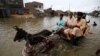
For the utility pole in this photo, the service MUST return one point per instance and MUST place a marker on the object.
(98, 7)
(69, 5)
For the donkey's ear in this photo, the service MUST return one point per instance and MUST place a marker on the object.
(16, 27)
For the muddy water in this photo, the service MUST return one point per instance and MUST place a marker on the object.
(87, 47)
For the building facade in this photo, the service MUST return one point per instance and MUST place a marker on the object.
(15, 6)
(8, 7)
(34, 6)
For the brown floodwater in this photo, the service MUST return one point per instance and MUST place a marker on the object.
(87, 47)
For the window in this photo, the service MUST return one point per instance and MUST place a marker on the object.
(35, 6)
(40, 7)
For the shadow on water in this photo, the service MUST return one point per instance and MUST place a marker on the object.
(87, 47)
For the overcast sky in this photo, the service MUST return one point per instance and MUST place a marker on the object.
(74, 5)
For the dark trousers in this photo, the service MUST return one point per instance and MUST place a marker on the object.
(75, 41)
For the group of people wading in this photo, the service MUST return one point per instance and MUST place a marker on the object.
(75, 27)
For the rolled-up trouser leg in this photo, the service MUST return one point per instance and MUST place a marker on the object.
(68, 33)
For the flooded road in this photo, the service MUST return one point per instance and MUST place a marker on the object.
(88, 46)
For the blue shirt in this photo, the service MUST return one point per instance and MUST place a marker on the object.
(60, 25)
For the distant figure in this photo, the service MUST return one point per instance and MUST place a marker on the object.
(60, 23)
(94, 24)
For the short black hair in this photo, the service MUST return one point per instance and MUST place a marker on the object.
(79, 14)
(61, 15)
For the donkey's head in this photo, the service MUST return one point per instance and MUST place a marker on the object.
(21, 34)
